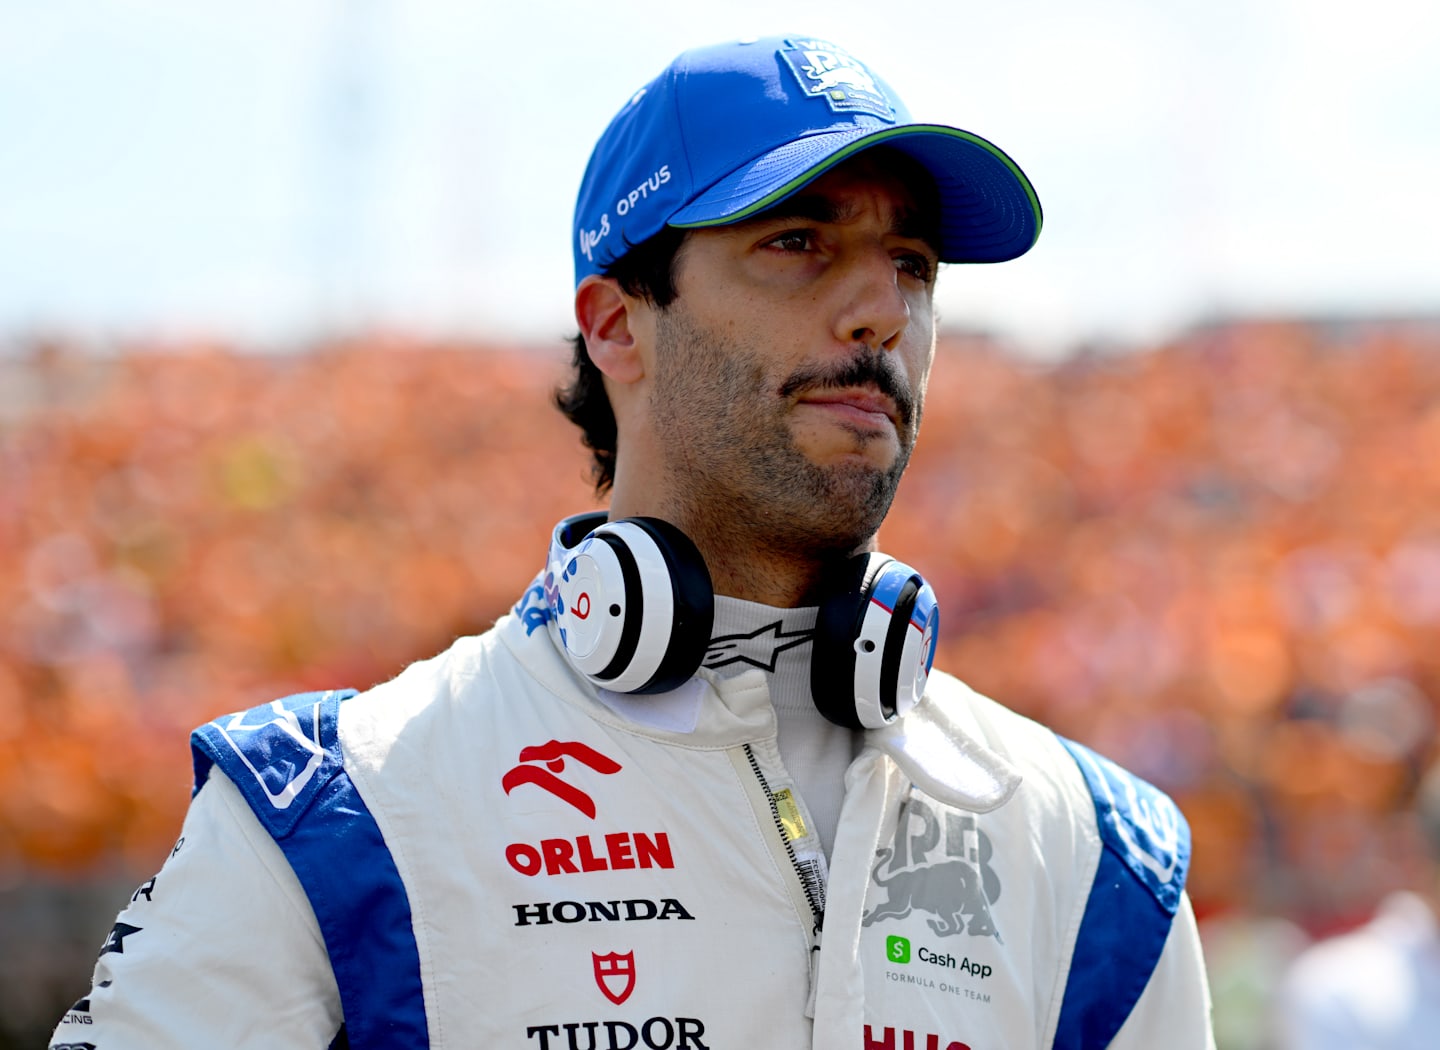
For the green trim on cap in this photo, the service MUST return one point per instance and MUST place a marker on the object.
(865, 143)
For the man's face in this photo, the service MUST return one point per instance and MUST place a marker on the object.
(790, 372)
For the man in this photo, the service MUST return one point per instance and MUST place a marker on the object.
(1377, 986)
(700, 789)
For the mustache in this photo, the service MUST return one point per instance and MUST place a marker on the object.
(866, 368)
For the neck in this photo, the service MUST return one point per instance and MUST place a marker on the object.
(745, 562)
(741, 568)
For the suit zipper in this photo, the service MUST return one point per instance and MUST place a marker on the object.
(808, 873)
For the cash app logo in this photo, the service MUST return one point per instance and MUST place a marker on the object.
(897, 949)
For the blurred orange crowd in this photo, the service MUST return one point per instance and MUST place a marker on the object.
(1217, 561)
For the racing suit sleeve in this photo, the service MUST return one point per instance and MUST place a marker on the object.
(1174, 1009)
(221, 948)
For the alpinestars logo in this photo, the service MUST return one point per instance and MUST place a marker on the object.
(760, 648)
(956, 887)
(553, 755)
(614, 975)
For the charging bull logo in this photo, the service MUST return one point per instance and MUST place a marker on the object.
(828, 72)
(828, 77)
(955, 887)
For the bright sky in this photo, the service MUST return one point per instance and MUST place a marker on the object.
(271, 169)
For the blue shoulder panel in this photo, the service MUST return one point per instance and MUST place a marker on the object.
(280, 755)
(285, 759)
(1133, 900)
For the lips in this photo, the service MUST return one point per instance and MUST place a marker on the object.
(859, 405)
(868, 389)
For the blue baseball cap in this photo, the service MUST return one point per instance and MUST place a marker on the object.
(728, 131)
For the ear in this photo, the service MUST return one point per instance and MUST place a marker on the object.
(610, 321)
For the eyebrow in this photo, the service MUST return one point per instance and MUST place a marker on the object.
(908, 222)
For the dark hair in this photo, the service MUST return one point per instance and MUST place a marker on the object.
(648, 271)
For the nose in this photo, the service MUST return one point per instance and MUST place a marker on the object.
(873, 308)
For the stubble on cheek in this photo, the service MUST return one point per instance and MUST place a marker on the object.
(732, 447)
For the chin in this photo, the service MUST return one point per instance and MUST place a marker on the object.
(858, 500)
(868, 459)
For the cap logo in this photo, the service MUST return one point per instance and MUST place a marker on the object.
(589, 239)
(659, 177)
(831, 73)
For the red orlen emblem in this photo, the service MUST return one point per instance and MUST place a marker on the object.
(615, 974)
(553, 754)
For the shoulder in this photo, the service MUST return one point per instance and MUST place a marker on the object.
(1131, 850)
(281, 754)
(482, 686)
(1022, 740)
(284, 753)
(1051, 782)
(1139, 826)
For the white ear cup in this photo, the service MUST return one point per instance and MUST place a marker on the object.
(592, 605)
(874, 645)
(621, 602)
(890, 678)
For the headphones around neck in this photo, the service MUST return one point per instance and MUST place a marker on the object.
(632, 607)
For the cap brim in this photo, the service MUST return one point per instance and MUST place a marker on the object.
(989, 210)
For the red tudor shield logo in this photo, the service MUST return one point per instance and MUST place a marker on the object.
(615, 974)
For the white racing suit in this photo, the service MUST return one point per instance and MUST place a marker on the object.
(485, 851)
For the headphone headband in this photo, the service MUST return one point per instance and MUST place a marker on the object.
(632, 607)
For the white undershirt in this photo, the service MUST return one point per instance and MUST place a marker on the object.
(816, 751)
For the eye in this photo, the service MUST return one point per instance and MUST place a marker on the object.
(917, 265)
(793, 241)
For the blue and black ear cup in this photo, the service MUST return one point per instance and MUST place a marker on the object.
(875, 642)
(631, 601)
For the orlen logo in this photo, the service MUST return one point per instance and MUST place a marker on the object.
(617, 851)
(553, 755)
(569, 856)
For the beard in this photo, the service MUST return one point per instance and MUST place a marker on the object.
(734, 462)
